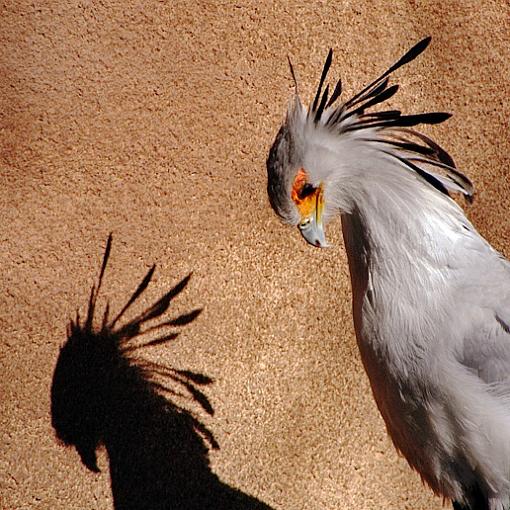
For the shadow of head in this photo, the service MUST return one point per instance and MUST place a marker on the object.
(102, 395)
(97, 381)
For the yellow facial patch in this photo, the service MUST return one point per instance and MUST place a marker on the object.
(306, 197)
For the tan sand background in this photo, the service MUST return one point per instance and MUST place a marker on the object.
(153, 120)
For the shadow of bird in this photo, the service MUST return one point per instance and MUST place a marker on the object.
(101, 395)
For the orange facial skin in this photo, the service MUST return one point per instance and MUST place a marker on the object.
(304, 195)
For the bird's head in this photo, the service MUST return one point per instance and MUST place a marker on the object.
(327, 157)
(296, 193)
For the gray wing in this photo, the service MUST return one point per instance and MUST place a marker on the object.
(486, 343)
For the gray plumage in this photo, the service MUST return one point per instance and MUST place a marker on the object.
(431, 297)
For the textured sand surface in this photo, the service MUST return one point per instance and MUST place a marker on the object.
(152, 120)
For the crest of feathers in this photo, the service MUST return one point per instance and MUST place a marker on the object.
(390, 130)
(97, 376)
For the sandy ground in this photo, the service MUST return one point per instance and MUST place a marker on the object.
(152, 120)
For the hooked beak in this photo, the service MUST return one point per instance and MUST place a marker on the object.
(311, 226)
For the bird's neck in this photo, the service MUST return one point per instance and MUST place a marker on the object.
(401, 249)
(405, 237)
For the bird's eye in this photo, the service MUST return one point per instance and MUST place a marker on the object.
(306, 190)
(304, 223)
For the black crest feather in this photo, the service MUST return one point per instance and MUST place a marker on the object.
(353, 116)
